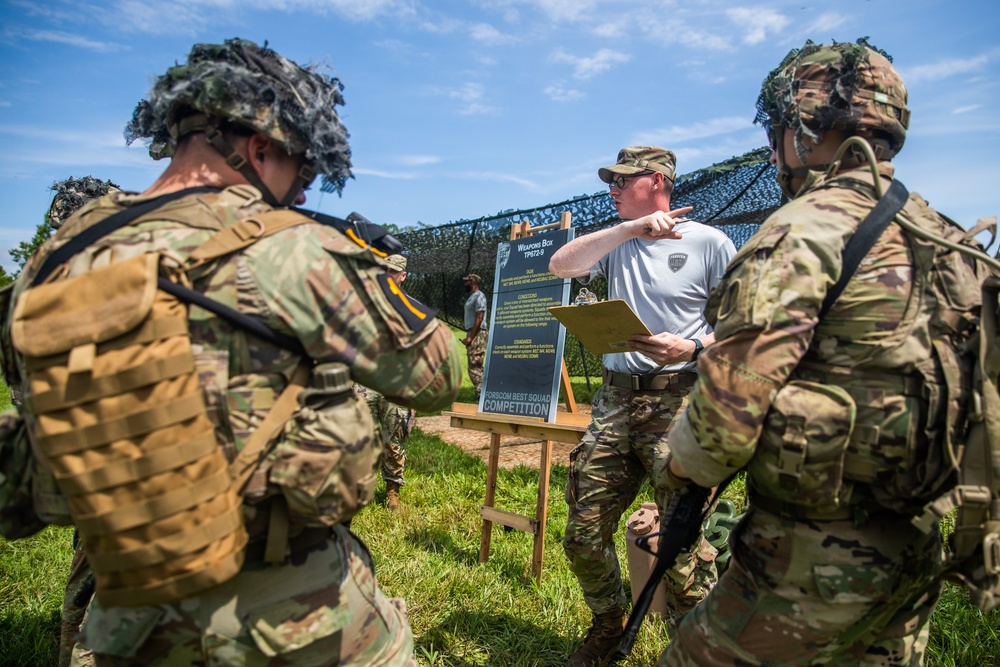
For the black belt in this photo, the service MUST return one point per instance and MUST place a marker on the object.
(680, 380)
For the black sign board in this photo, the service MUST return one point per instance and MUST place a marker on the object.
(525, 351)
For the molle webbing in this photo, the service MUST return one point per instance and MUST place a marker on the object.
(120, 421)
(126, 434)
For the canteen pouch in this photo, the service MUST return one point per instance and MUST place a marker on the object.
(325, 461)
(119, 420)
(800, 456)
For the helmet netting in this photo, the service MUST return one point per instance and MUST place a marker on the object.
(253, 86)
(840, 68)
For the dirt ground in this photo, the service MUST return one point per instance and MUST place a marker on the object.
(513, 449)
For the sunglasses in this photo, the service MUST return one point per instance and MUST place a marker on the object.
(619, 181)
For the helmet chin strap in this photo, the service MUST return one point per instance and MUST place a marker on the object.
(201, 123)
(785, 173)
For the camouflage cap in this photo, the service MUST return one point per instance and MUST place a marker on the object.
(637, 159)
(396, 262)
(255, 87)
(73, 193)
(473, 278)
(847, 86)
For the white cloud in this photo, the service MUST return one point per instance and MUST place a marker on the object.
(966, 109)
(676, 134)
(612, 29)
(471, 96)
(4, 103)
(526, 183)
(676, 30)
(487, 34)
(567, 10)
(381, 173)
(61, 37)
(944, 69)
(756, 23)
(586, 67)
(824, 24)
(192, 16)
(417, 160)
(558, 92)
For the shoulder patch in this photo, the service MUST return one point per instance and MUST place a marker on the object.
(414, 313)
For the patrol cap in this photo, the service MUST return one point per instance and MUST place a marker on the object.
(637, 159)
(473, 278)
(396, 262)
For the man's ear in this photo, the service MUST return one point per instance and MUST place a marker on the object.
(259, 150)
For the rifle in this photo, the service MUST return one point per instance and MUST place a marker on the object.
(358, 227)
(679, 534)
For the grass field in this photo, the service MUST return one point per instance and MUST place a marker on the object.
(463, 613)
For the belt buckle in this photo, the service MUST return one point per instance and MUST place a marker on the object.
(636, 382)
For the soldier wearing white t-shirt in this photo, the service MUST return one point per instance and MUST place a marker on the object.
(664, 266)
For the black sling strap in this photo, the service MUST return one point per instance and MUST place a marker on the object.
(117, 221)
(864, 238)
(233, 316)
(111, 223)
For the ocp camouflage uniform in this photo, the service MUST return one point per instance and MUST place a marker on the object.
(393, 422)
(826, 568)
(477, 357)
(76, 599)
(321, 605)
(624, 444)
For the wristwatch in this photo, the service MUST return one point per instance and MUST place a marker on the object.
(698, 347)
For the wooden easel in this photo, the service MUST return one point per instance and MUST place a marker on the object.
(568, 428)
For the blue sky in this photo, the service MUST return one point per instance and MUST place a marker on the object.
(459, 109)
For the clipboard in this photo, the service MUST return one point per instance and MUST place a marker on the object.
(603, 327)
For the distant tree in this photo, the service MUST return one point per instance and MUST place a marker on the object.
(25, 249)
(5, 278)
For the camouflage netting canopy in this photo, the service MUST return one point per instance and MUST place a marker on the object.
(736, 195)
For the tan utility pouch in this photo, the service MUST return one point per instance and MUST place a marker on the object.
(800, 456)
(120, 421)
(325, 461)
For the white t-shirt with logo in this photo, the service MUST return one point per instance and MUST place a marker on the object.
(667, 283)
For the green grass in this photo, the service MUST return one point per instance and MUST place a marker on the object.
(33, 574)
(463, 613)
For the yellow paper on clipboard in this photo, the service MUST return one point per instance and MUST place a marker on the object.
(603, 327)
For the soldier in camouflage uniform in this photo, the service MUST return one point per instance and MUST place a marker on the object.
(829, 415)
(475, 329)
(246, 130)
(393, 421)
(666, 277)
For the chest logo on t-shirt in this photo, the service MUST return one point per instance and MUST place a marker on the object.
(676, 261)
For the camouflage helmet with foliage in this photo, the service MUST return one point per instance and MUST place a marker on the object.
(254, 87)
(846, 86)
(73, 193)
